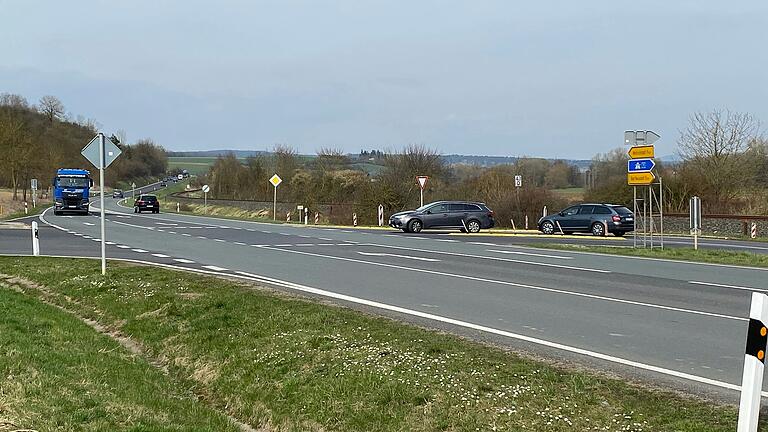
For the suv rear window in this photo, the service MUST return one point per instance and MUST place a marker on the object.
(622, 210)
(150, 198)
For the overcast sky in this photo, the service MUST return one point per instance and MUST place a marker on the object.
(560, 79)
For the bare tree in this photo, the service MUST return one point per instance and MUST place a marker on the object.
(13, 100)
(713, 148)
(51, 107)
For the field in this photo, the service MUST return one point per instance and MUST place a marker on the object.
(154, 349)
(200, 165)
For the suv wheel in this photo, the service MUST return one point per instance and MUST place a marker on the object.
(598, 229)
(415, 226)
(473, 226)
(548, 228)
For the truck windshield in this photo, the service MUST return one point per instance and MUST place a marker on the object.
(72, 182)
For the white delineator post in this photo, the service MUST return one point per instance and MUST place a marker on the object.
(101, 204)
(381, 215)
(26, 208)
(753, 231)
(306, 215)
(754, 364)
(35, 239)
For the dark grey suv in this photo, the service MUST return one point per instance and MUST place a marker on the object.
(590, 218)
(467, 216)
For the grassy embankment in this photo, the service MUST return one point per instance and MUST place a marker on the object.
(279, 362)
(713, 256)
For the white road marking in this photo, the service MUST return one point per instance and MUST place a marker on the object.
(109, 243)
(182, 260)
(219, 240)
(382, 254)
(515, 284)
(325, 239)
(186, 235)
(304, 236)
(214, 268)
(281, 245)
(87, 223)
(486, 329)
(202, 237)
(305, 244)
(447, 240)
(483, 244)
(285, 234)
(493, 258)
(87, 237)
(171, 232)
(159, 255)
(528, 254)
(123, 247)
(96, 239)
(240, 243)
(344, 244)
(123, 216)
(166, 223)
(139, 250)
(736, 287)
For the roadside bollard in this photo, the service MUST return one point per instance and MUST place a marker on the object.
(178, 207)
(753, 231)
(35, 239)
(526, 222)
(306, 216)
(354, 219)
(381, 215)
(26, 209)
(317, 218)
(513, 224)
(288, 217)
(754, 363)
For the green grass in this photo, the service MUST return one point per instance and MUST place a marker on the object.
(60, 374)
(291, 364)
(32, 211)
(714, 256)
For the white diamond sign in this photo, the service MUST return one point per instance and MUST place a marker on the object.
(91, 151)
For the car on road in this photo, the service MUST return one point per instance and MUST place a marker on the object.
(146, 202)
(117, 193)
(589, 218)
(464, 215)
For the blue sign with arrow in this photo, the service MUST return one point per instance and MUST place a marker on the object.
(640, 165)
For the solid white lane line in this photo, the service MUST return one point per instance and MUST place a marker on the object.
(159, 255)
(382, 254)
(344, 244)
(514, 284)
(139, 250)
(123, 247)
(486, 329)
(281, 245)
(305, 244)
(528, 254)
(447, 240)
(483, 244)
(214, 268)
(182, 260)
(493, 258)
(166, 223)
(736, 287)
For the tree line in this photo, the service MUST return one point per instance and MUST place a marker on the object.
(37, 139)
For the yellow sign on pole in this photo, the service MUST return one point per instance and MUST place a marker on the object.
(275, 180)
(639, 152)
(641, 178)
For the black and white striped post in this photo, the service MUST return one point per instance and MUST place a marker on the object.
(754, 364)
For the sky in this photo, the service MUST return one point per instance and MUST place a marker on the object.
(555, 79)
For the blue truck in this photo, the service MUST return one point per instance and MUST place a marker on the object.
(71, 191)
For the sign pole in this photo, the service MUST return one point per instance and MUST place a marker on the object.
(661, 211)
(421, 200)
(101, 203)
(754, 358)
(274, 205)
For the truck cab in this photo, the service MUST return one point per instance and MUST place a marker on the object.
(71, 189)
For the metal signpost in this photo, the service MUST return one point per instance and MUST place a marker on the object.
(695, 220)
(422, 180)
(101, 152)
(640, 173)
(206, 189)
(34, 193)
(275, 180)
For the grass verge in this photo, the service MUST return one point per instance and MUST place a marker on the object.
(713, 256)
(285, 363)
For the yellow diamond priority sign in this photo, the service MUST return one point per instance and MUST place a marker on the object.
(640, 178)
(275, 180)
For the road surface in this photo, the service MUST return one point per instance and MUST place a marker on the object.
(679, 324)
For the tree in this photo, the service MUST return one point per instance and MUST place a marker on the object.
(713, 149)
(51, 107)
(13, 100)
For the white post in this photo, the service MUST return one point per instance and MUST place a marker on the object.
(205, 202)
(35, 240)
(178, 207)
(101, 201)
(754, 358)
(26, 209)
(274, 206)
(34, 201)
(306, 215)
(421, 199)
(513, 224)
(753, 230)
(526, 222)
(381, 215)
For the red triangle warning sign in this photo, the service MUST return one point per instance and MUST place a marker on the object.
(422, 181)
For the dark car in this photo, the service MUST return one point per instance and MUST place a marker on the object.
(117, 193)
(467, 216)
(590, 218)
(146, 202)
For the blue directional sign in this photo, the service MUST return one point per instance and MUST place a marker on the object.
(640, 165)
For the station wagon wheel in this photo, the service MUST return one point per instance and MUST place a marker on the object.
(415, 226)
(548, 228)
(473, 226)
(598, 229)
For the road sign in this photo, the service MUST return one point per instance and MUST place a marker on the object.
(91, 151)
(422, 181)
(645, 151)
(34, 184)
(206, 188)
(640, 138)
(640, 165)
(275, 180)
(518, 181)
(640, 178)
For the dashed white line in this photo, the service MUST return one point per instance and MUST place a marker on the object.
(159, 255)
(123, 247)
(109, 243)
(139, 250)
(447, 240)
(202, 237)
(214, 268)
(325, 239)
(182, 260)
(87, 223)
(736, 287)
(483, 244)
(240, 243)
(186, 235)
(528, 254)
(219, 240)
(382, 254)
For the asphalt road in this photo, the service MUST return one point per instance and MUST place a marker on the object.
(678, 324)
